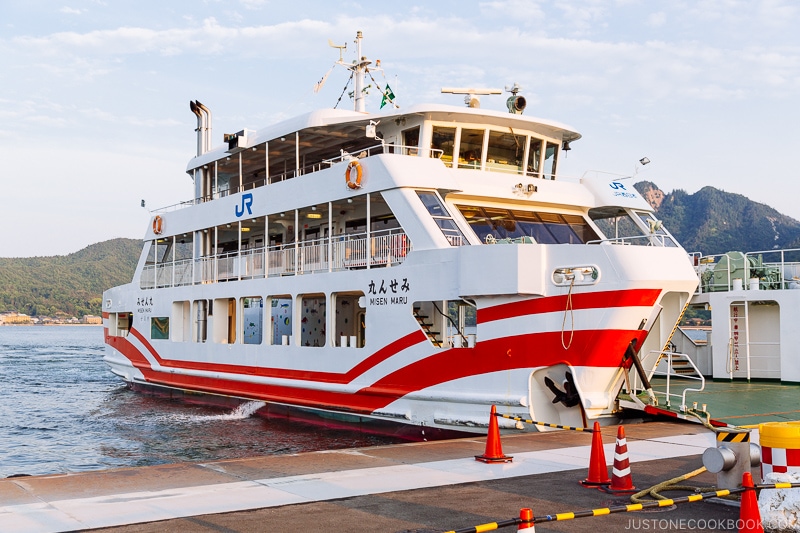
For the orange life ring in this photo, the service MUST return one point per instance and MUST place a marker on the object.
(158, 224)
(359, 174)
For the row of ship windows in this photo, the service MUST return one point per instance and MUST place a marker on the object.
(275, 320)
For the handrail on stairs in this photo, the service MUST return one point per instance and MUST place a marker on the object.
(672, 358)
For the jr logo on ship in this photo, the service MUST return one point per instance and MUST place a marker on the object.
(616, 185)
(247, 202)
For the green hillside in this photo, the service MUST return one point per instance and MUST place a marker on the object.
(68, 284)
(712, 221)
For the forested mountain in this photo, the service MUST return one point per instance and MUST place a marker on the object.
(67, 284)
(712, 221)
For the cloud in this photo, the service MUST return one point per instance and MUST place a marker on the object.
(657, 20)
(70, 11)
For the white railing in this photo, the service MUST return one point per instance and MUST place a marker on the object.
(673, 362)
(381, 248)
(763, 270)
(652, 239)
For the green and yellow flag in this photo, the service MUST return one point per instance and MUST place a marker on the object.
(388, 96)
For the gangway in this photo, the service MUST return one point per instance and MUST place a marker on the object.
(674, 371)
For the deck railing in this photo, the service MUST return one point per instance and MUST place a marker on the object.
(342, 252)
(383, 148)
(762, 270)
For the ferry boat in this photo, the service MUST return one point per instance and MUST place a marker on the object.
(401, 270)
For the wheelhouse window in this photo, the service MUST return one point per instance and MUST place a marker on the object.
(550, 156)
(470, 151)
(442, 217)
(534, 157)
(621, 226)
(444, 140)
(491, 224)
(505, 152)
(411, 141)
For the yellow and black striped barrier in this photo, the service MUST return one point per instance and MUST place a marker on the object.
(571, 428)
(733, 436)
(491, 526)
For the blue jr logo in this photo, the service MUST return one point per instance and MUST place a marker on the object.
(247, 201)
(614, 185)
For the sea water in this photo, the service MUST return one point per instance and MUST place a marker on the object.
(62, 410)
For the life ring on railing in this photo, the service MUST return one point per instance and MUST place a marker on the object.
(158, 224)
(359, 174)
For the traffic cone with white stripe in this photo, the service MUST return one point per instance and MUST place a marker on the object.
(621, 473)
(598, 471)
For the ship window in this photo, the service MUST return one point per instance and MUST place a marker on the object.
(200, 312)
(620, 227)
(505, 152)
(181, 321)
(151, 253)
(657, 234)
(443, 139)
(281, 319)
(470, 150)
(312, 321)
(223, 323)
(159, 328)
(411, 141)
(252, 319)
(491, 223)
(534, 157)
(119, 324)
(349, 319)
(550, 155)
(442, 217)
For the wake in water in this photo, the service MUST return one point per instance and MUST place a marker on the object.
(245, 410)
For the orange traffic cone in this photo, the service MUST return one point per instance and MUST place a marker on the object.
(598, 471)
(749, 515)
(526, 520)
(621, 472)
(494, 450)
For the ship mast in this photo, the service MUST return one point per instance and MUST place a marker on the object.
(359, 70)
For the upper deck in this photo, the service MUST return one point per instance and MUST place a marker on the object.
(463, 138)
(276, 202)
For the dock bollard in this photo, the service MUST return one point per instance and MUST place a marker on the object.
(733, 456)
(494, 449)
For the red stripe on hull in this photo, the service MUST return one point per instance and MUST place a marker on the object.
(603, 348)
(590, 300)
(373, 360)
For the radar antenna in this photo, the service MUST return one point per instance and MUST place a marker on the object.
(471, 98)
(341, 48)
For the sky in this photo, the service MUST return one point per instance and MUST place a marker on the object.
(94, 98)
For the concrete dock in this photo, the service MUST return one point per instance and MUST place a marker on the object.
(416, 487)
